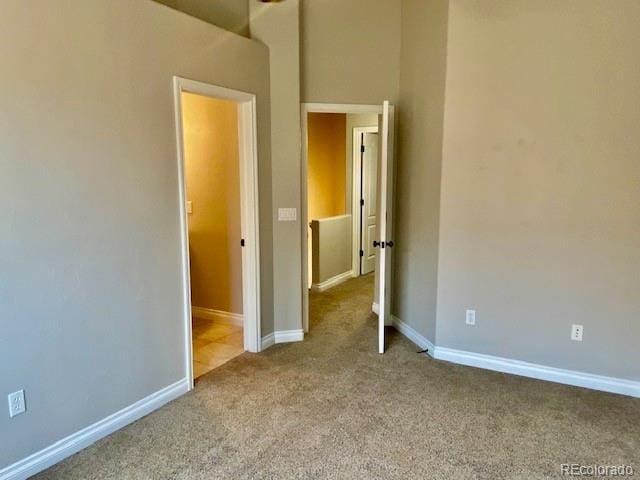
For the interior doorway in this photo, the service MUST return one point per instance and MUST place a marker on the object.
(328, 209)
(377, 215)
(217, 159)
(324, 239)
(342, 157)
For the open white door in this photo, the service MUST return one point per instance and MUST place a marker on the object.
(385, 222)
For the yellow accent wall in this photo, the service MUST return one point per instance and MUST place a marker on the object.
(326, 173)
(213, 188)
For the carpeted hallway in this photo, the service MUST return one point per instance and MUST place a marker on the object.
(331, 407)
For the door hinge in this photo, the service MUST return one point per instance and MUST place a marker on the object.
(242, 242)
(361, 148)
(362, 202)
(362, 253)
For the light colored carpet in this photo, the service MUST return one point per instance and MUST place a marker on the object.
(331, 407)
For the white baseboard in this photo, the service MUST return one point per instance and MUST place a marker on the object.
(218, 316)
(518, 367)
(281, 336)
(332, 282)
(540, 372)
(75, 442)
(286, 336)
(413, 335)
(375, 308)
(267, 341)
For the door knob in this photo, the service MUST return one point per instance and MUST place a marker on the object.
(376, 243)
(390, 243)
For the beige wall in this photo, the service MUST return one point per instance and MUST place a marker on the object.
(232, 15)
(326, 164)
(212, 172)
(350, 50)
(277, 25)
(92, 316)
(320, 51)
(419, 160)
(540, 201)
(331, 247)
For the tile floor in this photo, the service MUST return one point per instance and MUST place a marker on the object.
(214, 343)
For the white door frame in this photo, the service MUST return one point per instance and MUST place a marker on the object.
(307, 108)
(248, 156)
(355, 197)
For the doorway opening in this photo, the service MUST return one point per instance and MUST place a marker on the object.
(347, 176)
(341, 196)
(217, 159)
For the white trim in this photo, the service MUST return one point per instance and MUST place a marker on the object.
(356, 209)
(81, 439)
(540, 372)
(357, 109)
(250, 214)
(249, 208)
(184, 237)
(286, 336)
(518, 367)
(305, 109)
(304, 215)
(385, 220)
(413, 335)
(332, 282)
(282, 336)
(218, 316)
(267, 341)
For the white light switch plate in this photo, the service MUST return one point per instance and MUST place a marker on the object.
(470, 317)
(287, 214)
(16, 403)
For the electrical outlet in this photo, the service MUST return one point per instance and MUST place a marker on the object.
(471, 317)
(16, 403)
(576, 333)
